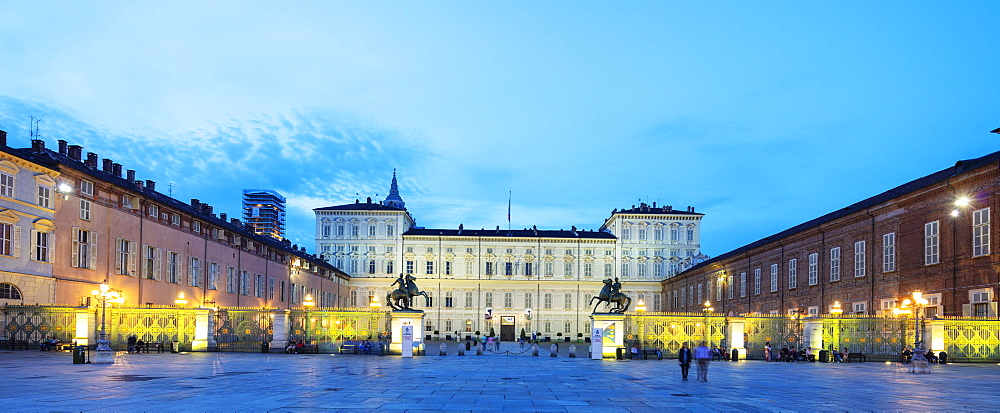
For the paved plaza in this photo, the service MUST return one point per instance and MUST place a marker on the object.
(48, 381)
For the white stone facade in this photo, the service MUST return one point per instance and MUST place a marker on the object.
(467, 273)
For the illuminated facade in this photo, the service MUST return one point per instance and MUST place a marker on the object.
(264, 211)
(468, 272)
(75, 224)
(932, 235)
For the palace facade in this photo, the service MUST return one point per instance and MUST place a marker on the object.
(509, 280)
(932, 235)
(69, 223)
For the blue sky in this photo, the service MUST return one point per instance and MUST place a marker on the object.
(762, 115)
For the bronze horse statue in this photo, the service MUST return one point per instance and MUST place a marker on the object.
(402, 297)
(611, 294)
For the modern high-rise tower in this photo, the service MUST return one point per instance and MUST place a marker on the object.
(264, 210)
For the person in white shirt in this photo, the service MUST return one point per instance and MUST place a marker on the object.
(703, 355)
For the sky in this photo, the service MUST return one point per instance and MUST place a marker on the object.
(761, 115)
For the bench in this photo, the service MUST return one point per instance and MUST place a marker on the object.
(349, 348)
(860, 357)
(145, 348)
(308, 348)
(646, 353)
(14, 344)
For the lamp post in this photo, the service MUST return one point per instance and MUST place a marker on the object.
(836, 311)
(106, 295)
(641, 309)
(375, 305)
(180, 301)
(308, 303)
(707, 308)
(915, 305)
(796, 315)
(527, 316)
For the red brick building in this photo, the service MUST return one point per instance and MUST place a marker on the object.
(931, 235)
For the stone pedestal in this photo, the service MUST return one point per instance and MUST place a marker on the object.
(279, 325)
(204, 330)
(400, 318)
(736, 328)
(612, 332)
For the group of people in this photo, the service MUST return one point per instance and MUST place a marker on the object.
(908, 355)
(790, 354)
(49, 343)
(135, 344)
(701, 354)
(295, 346)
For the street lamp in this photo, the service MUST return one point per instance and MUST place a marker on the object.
(707, 308)
(916, 305)
(106, 295)
(180, 301)
(796, 315)
(836, 311)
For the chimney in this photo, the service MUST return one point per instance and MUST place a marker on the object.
(3, 138)
(74, 152)
(151, 185)
(91, 160)
(223, 216)
(116, 168)
(235, 221)
(208, 209)
(62, 147)
(37, 145)
(195, 203)
(130, 175)
(106, 167)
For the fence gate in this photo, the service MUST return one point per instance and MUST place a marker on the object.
(879, 339)
(329, 329)
(778, 330)
(34, 323)
(152, 325)
(972, 340)
(668, 332)
(243, 329)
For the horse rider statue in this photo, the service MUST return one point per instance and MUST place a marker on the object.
(401, 298)
(611, 293)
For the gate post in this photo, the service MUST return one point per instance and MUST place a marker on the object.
(204, 323)
(736, 329)
(934, 335)
(86, 326)
(813, 332)
(280, 326)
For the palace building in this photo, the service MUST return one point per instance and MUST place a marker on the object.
(527, 279)
(932, 235)
(69, 223)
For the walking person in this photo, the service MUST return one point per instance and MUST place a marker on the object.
(703, 355)
(767, 351)
(684, 359)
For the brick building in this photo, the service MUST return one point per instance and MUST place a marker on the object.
(931, 235)
(101, 226)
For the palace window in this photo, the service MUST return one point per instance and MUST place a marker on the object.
(756, 281)
(859, 259)
(41, 243)
(194, 274)
(813, 268)
(84, 249)
(44, 196)
(889, 252)
(931, 243)
(231, 280)
(568, 301)
(151, 262)
(743, 284)
(173, 267)
(980, 232)
(835, 264)
(468, 299)
(9, 292)
(774, 277)
(6, 185)
(547, 300)
(793, 271)
(213, 275)
(508, 300)
(85, 210)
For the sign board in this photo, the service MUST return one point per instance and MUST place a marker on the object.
(507, 320)
(407, 348)
(596, 344)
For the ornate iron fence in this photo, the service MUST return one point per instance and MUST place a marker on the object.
(780, 331)
(878, 338)
(972, 340)
(34, 323)
(331, 328)
(668, 331)
(243, 329)
(152, 325)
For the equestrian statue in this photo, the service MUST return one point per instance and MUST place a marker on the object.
(612, 293)
(401, 298)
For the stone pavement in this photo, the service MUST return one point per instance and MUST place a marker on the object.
(48, 381)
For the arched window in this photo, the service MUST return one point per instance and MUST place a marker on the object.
(9, 291)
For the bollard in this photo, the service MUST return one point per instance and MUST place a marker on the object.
(479, 351)
(553, 350)
(461, 351)
(534, 349)
(444, 350)
(736, 355)
(572, 351)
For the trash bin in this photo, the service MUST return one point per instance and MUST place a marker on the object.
(175, 347)
(468, 345)
(79, 355)
(265, 347)
(736, 355)
(942, 358)
(619, 353)
(824, 356)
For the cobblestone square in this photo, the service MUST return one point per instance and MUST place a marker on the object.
(48, 381)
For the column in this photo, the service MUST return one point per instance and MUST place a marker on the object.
(204, 330)
(736, 328)
(280, 324)
(812, 331)
(86, 320)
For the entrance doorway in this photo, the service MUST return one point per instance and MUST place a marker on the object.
(507, 328)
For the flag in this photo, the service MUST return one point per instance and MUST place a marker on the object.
(509, 193)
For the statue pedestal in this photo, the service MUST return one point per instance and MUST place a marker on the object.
(402, 318)
(612, 328)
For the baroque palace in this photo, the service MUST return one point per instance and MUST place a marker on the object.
(69, 224)
(932, 235)
(529, 280)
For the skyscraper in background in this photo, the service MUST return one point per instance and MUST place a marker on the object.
(264, 210)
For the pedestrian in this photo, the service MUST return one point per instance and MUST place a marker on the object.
(496, 341)
(684, 359)
(703, 355)
(767, 351)
(131, 343)
(520, 341)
